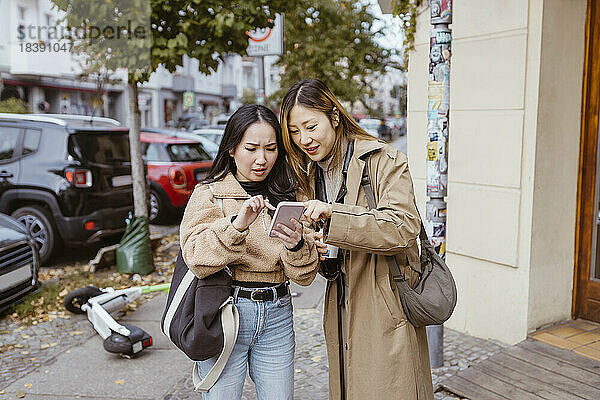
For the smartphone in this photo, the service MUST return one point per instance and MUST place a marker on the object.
(286, 210)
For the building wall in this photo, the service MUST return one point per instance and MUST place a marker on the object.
(4, 34)
(556, 163)
(501, 90)
(57, 64)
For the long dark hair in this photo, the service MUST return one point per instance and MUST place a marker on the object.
(315, 95)
(280, 182)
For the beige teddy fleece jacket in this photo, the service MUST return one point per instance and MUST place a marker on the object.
(209, 241)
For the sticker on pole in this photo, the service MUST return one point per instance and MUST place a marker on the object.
(266, 41)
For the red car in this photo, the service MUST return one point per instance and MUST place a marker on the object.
(175, 164)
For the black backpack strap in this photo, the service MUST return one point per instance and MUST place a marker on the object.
(343, 189)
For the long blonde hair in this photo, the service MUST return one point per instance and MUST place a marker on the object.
(315, 95)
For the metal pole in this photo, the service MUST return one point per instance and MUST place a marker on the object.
(261, 80)
(440, 40)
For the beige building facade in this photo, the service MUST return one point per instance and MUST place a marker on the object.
(517, 93)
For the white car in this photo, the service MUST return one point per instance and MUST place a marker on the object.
(221, 120)
(370, 125)
(215, 135)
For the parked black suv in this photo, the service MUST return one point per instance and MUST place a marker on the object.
(66, 178)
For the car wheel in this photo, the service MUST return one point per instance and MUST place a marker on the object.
(156, 208)
(40, 226)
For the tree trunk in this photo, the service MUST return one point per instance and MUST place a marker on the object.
(137, 165)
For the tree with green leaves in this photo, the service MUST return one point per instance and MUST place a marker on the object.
(334, 40)
(407, 11)
(168, 30)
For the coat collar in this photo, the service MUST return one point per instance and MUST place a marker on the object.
(363, 147)
(229, 187)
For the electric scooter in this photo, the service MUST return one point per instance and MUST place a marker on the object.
(126, 340)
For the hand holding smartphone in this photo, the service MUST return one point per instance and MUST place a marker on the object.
(286, 210)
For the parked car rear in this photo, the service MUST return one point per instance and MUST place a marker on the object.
(376, 127)
(221, 120)
(19, 262)
(370, 125)
(175, 165)
(191, 121)
(66, 178)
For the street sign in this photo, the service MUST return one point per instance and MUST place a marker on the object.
(189, 99)
(266, 41)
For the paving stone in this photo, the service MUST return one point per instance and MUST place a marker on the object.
(311, 382)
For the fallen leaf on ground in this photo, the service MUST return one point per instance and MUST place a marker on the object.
(316, 358)
(20, 394)
(28, 385)
(120, 382)
(76, 333)
(44, 346)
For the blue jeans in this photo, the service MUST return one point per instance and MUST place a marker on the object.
(265, 344)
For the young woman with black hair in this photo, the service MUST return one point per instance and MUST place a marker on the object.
(250, 176)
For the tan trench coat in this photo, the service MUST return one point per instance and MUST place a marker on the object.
(387, 357)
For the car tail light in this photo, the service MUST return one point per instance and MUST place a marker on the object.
(177, 176)
(90, 226)
(79, 177)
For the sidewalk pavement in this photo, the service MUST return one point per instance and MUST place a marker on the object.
(86, 371)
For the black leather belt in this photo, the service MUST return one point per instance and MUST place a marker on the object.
(264, 294)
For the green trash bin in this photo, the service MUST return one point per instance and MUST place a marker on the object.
(134, 254)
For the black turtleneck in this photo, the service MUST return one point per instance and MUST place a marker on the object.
(255, 188)
(260, 187)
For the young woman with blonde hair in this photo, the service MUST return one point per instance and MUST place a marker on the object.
(382, 356)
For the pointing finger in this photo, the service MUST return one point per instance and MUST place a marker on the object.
(269, 205)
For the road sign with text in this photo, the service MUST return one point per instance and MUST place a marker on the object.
(266, 41)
